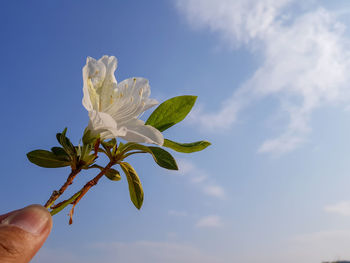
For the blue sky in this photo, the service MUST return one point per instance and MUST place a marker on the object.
(273, 98)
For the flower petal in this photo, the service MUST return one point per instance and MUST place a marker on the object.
(109, 84)
(131, 99)
(114, 108)
(94, 73)
(138, 132)
(104, 124)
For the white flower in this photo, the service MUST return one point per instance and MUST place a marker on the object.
(114, 108)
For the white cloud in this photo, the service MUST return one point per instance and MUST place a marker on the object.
(306, 248)
(314, 247)
(239, 21)
(214, 190)
(130, 252)
(201, 179)
(209, 221)
(154, 252)
(305, 64)
(321, 246)
(341, 208)
(185, 167)
(282, 144)
(56, 255)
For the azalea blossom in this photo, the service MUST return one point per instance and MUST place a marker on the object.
(114, 108)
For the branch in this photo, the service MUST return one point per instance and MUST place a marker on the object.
(56, 194)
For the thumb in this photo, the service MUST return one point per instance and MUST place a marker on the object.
(22, 233)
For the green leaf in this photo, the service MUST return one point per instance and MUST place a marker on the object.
(171, 112)
(85, 152)
(64, 131)
(163, 158)
(88, 160)
(135, 187)
(60, 153)
(66, 143)
(113, 175)
(160, 156)
(64, 204)
(46, 159)
(109, 144)
(89, 138)
(186, 147)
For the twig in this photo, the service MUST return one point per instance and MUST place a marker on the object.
(87, 187)
(56, 194)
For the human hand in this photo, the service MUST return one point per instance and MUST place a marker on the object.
(23, 232)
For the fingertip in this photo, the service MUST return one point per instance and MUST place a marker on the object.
(23, 232)
(34, 219)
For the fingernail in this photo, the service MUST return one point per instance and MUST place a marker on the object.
(33, 219)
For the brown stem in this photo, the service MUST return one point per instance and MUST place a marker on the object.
(57, 194)
(87, 187)
(96, 146)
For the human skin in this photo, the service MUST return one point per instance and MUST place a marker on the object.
(23, 232)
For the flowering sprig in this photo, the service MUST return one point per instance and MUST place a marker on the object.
(114, 110)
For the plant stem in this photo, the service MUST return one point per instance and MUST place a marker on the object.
(56, 194)
(96, 146)
(87, 187)
(77, 168)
